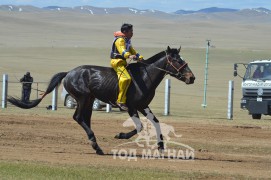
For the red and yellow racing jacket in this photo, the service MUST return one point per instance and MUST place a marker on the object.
(122, 47)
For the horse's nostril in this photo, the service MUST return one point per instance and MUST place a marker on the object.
(192, 79)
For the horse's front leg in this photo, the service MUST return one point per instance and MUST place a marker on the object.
(150, 116)
(134, 116)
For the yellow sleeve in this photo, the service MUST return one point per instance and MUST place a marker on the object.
(133, 51)
(121, 47)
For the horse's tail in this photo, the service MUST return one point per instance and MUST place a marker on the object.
(56, 80)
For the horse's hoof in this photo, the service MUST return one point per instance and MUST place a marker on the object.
(161, 147)
(120, 136)
(100, 152)
(117, 136)
(161, 150)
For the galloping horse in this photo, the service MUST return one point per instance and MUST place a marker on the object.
(85, 83)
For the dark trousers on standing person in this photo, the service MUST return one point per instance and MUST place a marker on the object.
(26, 95)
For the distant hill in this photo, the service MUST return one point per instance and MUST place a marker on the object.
(216, 10)
(56, 8)
(260, 10)
(213, 13)
(12, 8)
(82, 9)
(87, 26)
(207, 10)
(121, 10)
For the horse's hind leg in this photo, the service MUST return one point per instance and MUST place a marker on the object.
(150, 116)
(134, 115)
(83, 117)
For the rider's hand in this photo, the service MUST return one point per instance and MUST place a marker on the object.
(133, 57)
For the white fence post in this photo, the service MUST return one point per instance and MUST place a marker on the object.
(108, 108)
(4, 91)
(167, 97)
(230, 100)
(37, 90)
(54, 99)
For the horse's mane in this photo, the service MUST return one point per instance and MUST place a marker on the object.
(155, 57)
(150, 60)
(159, 55)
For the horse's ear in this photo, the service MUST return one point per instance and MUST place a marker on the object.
(168, 49)
(179, 50)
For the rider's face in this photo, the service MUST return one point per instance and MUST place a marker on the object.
(129, 34)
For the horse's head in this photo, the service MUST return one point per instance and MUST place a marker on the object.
(177, 67)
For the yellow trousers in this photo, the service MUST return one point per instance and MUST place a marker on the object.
(124, 78)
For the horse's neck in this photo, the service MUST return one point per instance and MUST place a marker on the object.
(155, 73)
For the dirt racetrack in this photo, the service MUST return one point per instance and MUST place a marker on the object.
(225, 149)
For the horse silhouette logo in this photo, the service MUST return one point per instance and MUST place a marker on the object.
(148, 132)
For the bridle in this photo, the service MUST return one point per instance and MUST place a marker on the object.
(169, 62)
(177, 69)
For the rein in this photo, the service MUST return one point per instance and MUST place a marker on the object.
(168, 72)
(168, 63)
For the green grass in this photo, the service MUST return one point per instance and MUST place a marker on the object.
(22, 170)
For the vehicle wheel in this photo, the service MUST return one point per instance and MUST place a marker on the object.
(96, 105)
(256, 116)
(70, 102)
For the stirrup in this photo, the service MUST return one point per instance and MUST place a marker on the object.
(122, 106)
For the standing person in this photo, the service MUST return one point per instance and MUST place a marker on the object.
(121, 50)
(26, 81)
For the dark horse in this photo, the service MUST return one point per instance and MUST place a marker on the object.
(85, 83)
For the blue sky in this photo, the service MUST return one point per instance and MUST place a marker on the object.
(163, 5)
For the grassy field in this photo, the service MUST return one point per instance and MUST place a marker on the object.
(44, 171)
(45, 44)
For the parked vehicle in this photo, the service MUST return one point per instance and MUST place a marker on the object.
(70, 102)
(256, 87)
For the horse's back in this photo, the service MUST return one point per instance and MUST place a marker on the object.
(91, 80)
(102, 83)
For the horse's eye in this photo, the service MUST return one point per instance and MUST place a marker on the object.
(176, 56)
